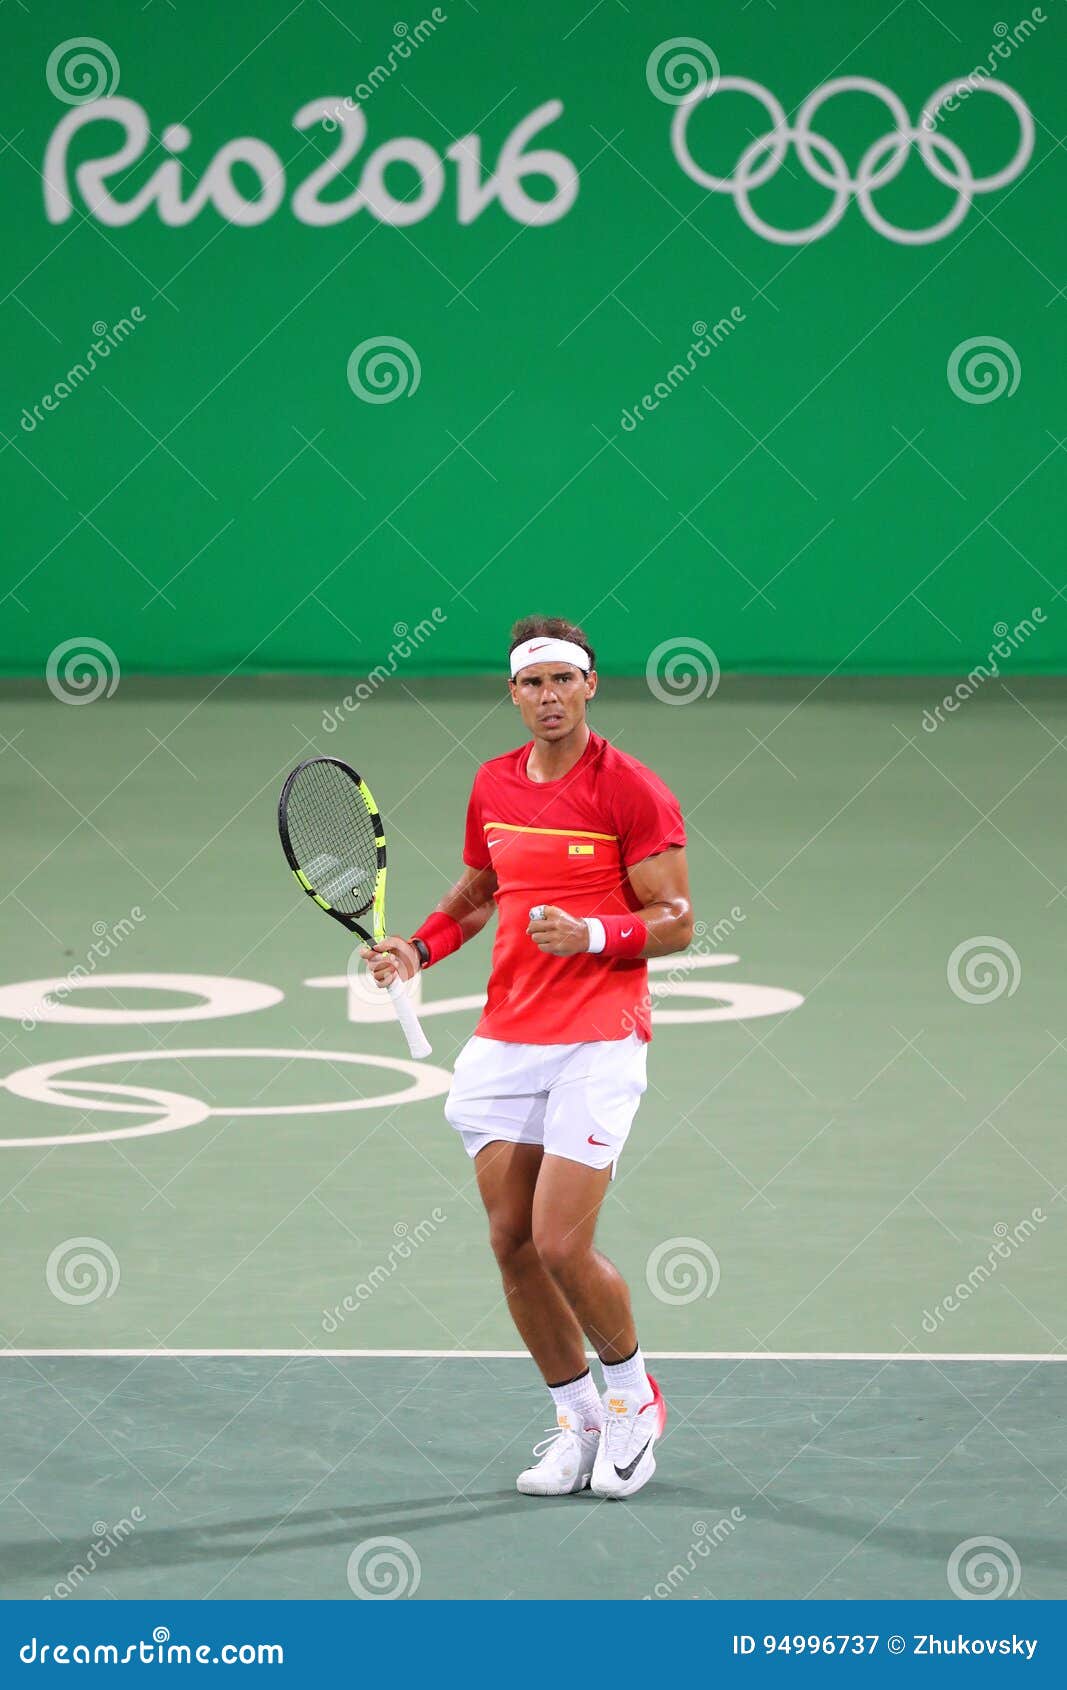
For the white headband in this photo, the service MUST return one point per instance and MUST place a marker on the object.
(546, 650)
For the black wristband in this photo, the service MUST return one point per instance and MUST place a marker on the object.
(422, 951)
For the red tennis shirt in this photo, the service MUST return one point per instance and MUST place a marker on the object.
(566, 842)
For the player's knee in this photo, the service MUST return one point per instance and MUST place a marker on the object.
(560, 1252)
(509, 1239)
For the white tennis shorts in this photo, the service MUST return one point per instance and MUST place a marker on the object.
(578, 1101)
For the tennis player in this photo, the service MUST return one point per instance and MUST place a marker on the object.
(581, 849)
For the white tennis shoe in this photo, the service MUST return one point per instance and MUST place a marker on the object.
(567, 1457)
(626, 1457)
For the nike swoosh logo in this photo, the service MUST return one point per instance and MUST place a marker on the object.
(625, 934)
(603, 1143)
(628, 1471)
(496, 842)
(540, 646)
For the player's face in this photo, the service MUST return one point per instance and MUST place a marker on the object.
(551, 698)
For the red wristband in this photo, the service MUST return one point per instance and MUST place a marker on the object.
(441, 934)
(624, 935)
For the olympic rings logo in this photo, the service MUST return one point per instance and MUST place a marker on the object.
(59, 1082)
(881, 163)
(145, 1110)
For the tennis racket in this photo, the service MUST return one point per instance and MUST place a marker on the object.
(334, 842)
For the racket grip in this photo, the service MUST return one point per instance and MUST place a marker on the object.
(418, 1044)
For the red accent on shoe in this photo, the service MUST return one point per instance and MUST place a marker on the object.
(658, 1404)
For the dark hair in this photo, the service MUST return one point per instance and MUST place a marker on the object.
(549, 627)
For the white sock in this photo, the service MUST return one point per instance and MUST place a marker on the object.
(628, 1375)
(581, 1397)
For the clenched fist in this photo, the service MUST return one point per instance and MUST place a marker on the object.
(556, 933)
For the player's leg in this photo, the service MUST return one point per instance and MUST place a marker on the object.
(497, 1103)
(566, 1204)
(507, 1179)
(594, 1092)
(593, 1096)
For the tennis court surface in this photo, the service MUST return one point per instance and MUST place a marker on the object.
(254, 1338)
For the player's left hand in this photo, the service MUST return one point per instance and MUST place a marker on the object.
(556, 933)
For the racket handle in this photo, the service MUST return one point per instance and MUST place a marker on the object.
(418, 1043)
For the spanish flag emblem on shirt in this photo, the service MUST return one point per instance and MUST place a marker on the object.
(581, 850)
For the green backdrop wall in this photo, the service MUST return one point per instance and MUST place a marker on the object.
(619, 393)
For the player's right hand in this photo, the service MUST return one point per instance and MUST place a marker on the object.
(389, 958)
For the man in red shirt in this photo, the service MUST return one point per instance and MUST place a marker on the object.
(581, 849)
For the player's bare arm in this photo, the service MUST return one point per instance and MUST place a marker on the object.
(660, 883)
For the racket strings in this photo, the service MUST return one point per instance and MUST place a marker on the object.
(333, 837)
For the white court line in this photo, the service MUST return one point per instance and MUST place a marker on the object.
(936, 1356)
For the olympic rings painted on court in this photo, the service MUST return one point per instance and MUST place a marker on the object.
(736, 1001)
(731, 1000)
(220, 995)
(875, 167)
(40, 1083)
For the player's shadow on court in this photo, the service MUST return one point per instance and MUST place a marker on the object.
(31, 1565)
(51, 1561)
